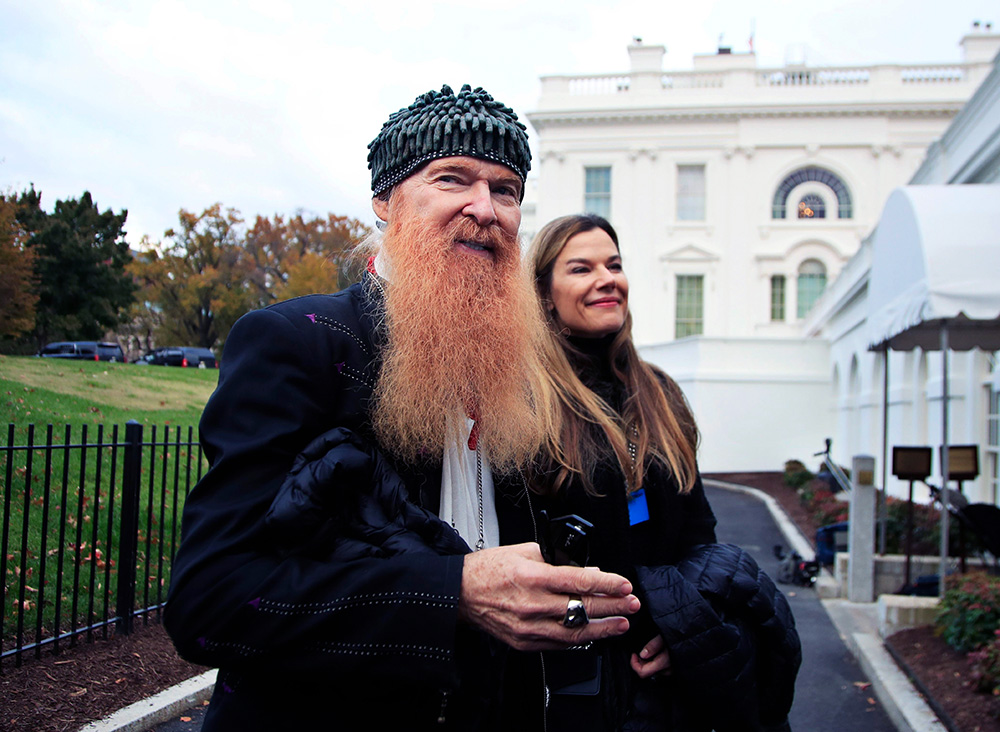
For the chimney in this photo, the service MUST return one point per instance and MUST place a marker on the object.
(981, 44)
(645, 58)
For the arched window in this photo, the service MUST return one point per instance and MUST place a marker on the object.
(811, 283)
(807, 175)
(812, 207)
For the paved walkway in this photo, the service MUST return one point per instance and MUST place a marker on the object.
(847, 681)
(832, 693)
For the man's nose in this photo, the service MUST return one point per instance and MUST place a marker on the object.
(480, 204)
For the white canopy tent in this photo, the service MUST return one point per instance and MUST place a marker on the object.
(935, 282)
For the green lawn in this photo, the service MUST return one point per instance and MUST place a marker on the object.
(44, 390)
(60, 526)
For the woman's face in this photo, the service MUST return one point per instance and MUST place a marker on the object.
(589, 288)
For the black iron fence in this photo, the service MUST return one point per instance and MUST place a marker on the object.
(90, 527)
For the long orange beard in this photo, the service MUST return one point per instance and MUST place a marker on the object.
(464, 336)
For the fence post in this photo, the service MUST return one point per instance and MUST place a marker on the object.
(129, 532)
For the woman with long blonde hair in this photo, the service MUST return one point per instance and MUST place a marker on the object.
(714, 645)
(620, 456)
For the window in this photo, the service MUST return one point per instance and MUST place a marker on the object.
(812, 207)
(690, 192)
(811, 283)
(690, 305)
(778, 298)
(817, 175)
(597, 192)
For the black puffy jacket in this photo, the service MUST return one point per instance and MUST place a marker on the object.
(734, 650)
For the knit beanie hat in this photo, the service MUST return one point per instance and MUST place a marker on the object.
(442, 124)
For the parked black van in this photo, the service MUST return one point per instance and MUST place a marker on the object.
(184, 356)
(83, 351)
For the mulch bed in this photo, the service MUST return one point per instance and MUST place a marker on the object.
(82, 684)
(58, 693)
(942, 674)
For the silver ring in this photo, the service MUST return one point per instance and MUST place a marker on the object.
(576, 613)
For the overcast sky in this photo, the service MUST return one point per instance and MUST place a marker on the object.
(268, 107)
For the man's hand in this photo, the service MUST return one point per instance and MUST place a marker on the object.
(652, 659)
(512, 594)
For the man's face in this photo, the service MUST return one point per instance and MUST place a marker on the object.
(460, 300)
(449, 190)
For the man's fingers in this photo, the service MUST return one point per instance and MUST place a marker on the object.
(512, 594)
(583, 581)
(606, 607)
(552, 636)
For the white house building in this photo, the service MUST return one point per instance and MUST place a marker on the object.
(738, 193)
(944, 231)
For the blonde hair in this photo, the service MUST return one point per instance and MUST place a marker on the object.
(655, 417)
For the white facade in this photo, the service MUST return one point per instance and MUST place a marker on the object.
(967, 153)
(689, 166)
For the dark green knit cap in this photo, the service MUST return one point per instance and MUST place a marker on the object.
(442, 124)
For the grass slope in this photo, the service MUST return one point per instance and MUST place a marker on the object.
(62, 508)
(47, 390)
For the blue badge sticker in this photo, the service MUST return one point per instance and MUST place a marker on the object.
(638, 511)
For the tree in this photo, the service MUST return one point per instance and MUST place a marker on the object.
(200, 282)
(304, 255)
(18, 296)
(80, 258)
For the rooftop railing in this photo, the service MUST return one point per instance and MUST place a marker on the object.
(846, 76)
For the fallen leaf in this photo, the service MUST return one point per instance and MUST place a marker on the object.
(871, 701)
(79, 692)
(862, 684)
(185, 719)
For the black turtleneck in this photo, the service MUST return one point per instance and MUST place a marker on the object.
(591, 359)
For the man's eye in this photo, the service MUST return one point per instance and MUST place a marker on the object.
(506, 191)
(615, 267)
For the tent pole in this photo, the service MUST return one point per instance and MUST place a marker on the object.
(945, 468)
(883, 496)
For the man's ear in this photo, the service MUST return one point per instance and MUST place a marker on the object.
(381, 208)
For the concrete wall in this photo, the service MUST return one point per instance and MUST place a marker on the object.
(758, 402)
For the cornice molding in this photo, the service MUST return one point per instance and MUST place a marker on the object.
(569, 118)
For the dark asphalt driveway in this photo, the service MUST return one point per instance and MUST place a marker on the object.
(830, 695)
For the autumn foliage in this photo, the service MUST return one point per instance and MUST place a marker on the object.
(71, 275)
(211, 269)
(18, 296)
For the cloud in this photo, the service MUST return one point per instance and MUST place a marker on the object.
(269, 107)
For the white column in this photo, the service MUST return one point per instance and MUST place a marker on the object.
(861, 532)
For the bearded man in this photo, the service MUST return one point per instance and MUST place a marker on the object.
(348, 560)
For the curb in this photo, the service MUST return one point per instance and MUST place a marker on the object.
(904, 706)
(158, 708)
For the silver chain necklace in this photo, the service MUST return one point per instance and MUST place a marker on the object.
(479, 494)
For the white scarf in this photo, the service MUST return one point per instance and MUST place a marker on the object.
(460, 488)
